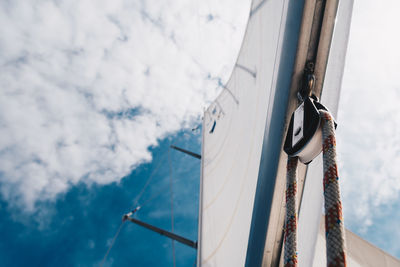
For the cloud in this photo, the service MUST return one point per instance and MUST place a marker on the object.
(369, 122)
(88, 86)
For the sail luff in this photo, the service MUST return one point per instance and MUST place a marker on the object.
(200, 219)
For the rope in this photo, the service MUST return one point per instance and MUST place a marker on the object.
(334, 228)
(290, 239)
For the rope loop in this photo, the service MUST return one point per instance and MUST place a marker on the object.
(334, 227)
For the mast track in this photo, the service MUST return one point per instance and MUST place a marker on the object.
(314, 42)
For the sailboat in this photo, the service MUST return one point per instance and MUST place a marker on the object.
(243, 165)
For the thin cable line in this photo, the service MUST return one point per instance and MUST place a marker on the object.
(172, 205)
(161, 191)
(139, 196)
(112, 244)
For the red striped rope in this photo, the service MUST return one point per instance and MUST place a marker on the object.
(334, 227)
(290, 239)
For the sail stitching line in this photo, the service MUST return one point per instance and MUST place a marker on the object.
(240, 193)
(218, 152)
(234, 211)
(227, 177)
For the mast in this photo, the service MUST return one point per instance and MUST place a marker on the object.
(313, 53)
(243, 165)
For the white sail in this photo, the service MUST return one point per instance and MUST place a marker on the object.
(360, 253)
(235, 129)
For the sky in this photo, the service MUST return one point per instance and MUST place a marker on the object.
(369, 125)
(93, 93)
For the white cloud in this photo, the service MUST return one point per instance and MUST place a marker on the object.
(369, 121)
(88, 86)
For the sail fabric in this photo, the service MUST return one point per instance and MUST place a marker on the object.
(234, 127)
(359, 251)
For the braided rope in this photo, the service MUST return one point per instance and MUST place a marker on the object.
(334, 228)
(290, 239)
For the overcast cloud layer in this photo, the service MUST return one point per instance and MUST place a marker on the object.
(88, 86)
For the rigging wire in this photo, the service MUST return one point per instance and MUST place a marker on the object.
(112, 243)
(152, 197)
(135, 202)
(172, 204)
(139, 196)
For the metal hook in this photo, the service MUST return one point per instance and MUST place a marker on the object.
(308, 82)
